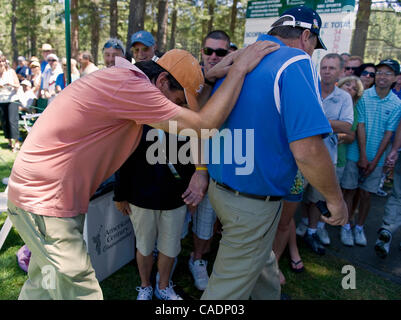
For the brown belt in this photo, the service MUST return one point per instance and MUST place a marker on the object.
(247, 195)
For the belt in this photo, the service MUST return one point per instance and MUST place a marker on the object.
(248, 195)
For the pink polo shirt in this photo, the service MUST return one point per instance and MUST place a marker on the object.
(83, 137)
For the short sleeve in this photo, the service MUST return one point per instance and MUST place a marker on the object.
(139, 100)
(360, 108)
(347, 110)
(301, 107)
(394, 119)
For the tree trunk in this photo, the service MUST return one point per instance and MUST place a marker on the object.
(14, 43)
(361, 28)
(173, 25)
(74, 29)
(233, 18)
(95, 26)
(113, 19)
(136, 19)
(162, 16)
(211, 5)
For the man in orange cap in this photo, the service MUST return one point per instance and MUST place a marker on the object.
(63, 161)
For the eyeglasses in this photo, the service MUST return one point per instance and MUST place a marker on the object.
(387, 73)
(143, 49)
(368, 74)
(113, 44)
(352, 68)
(219, 52)
(51, 60)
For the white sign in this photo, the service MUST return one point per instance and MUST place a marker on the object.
(336, 31)
(109, 236)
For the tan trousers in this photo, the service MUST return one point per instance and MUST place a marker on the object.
(60, 267)
(245, 264)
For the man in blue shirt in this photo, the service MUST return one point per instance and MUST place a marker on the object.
(279, 108)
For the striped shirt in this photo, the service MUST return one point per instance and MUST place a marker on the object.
(378, 115)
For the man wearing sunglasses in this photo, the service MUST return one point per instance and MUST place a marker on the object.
(352, 65)
(215, 47)
(112, 48)
(143, 46)
(50, 76)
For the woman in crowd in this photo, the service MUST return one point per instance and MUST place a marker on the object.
(36, 77)
(9, 85)
(61, 80)
(367, 73)
(355, 87)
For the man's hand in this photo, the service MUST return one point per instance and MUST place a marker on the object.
(371, 167)
(196, 189)
(391, 159)
(123, 206)
(363, 163)
(339, 213)
(248, 57)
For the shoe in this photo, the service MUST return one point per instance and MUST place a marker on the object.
(199, 272)
(360, 238)
(385, 235)
(293, 266)
(301, 229)
(323, 236)
(382, 248)
(381, 193)
(166, 294)
(314, 243)
(347, 238)
(144, 293)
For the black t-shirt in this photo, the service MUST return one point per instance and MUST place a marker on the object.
(152, 186)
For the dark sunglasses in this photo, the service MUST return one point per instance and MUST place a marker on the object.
(51, 60)
(368, 74)
(219, 52)
(351, 68)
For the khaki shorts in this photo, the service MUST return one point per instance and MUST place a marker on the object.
(163, 227)
(351, 176)
(312, 195)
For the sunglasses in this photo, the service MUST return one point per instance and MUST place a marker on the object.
(51, 60)
(114, 45)
(368, 74)
(219, 52)
(351, 68)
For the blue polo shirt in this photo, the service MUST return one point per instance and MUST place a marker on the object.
(279, 103)
(379, 115)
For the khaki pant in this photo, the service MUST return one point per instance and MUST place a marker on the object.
(60, 267)
(245, 264)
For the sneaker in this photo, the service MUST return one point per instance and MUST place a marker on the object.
(347, 238)
(360, 238)
(301, 229)
(381, 193)
(385, 235)
(382, 248)
(199, 272)
(323, 236)
(144, 293)
(314, 244)
(166, 294)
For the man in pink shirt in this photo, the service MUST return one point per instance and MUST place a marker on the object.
(84, 136)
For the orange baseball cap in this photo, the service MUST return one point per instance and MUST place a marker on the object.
(186, 70)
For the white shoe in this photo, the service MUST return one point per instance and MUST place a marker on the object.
(301, 229)
(166, 294)
(199, 272)
(144, 293)
(360, 238)
(347, 238)
(323, 236)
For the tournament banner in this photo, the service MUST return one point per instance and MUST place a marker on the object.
(338, 19)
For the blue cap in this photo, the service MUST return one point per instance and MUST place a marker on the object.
(306, 18)
(143, 37)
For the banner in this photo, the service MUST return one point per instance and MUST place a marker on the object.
(338, 19)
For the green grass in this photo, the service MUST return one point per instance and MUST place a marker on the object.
(321, 279)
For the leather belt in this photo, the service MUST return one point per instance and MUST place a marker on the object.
(248, 195)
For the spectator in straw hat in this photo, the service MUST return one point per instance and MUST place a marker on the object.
(46, 50)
